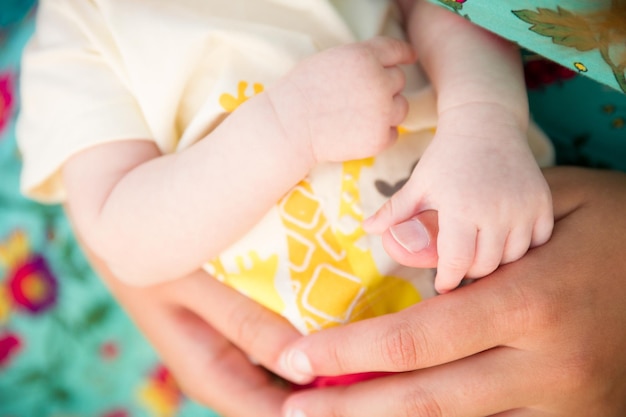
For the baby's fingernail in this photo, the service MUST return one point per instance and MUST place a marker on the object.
(297, 366)
(411, 235)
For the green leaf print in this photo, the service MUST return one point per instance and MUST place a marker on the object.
(96, 315)
(583, 32)
(453, 4)
(564, 27)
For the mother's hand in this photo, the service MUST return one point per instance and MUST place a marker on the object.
(543, 336)
(203, 332)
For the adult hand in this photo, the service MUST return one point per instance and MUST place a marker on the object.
(543, 336)
(204, 332)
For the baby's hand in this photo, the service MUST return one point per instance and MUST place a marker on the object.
(493, 201)
(344, 103)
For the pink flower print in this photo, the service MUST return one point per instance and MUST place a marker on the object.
(6, 100)
(30, 284)
(33, 287)
(10, 343)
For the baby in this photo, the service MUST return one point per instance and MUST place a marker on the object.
(259, 138)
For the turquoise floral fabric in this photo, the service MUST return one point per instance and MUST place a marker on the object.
(578, 34)
(575, 63)
(67, 348)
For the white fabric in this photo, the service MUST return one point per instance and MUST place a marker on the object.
(106, 70)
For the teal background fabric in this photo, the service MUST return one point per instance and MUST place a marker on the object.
(574, 75)
(67, 348)
(575, 33)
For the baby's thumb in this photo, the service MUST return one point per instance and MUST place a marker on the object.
(397, 209)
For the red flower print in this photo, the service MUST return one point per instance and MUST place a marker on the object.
(109, 350)
(541, 72)
(6, 100)
(160, 394)
(9, 345)
(29, 285)
(32, 285)
(117, 413)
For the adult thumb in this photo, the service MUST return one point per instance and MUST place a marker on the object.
(414, 241)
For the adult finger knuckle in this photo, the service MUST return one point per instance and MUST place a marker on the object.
(536, 311)
(245, 325)
(420, 402)
(403, 346)
(577, 371)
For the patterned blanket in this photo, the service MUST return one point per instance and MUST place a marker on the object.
(66, 347)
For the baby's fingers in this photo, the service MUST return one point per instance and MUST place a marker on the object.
(517, 244)
(396, 79)
(489, 249)
(522, 238)
(456, 246)
(542, 230)
(391, 52)
(399, 110)
(400, 207)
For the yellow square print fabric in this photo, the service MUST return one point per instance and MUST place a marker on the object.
(309, 259)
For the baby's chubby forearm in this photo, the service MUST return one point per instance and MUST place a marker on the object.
(470, 68)
(156, 217)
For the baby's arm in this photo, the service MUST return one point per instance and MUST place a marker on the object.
(478, 172)
(155, 217)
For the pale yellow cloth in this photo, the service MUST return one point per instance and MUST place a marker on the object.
(169, 71)
(106, 70)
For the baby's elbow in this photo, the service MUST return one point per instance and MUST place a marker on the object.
(125, 262)
(133, 277)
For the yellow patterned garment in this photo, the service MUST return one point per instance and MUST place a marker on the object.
(120, 76)
(309, 258)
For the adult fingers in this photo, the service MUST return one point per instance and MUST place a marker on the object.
(414, 242)
(474, 387)
(250, 326)
(524, 412)
(209, 368)
(480, 316)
